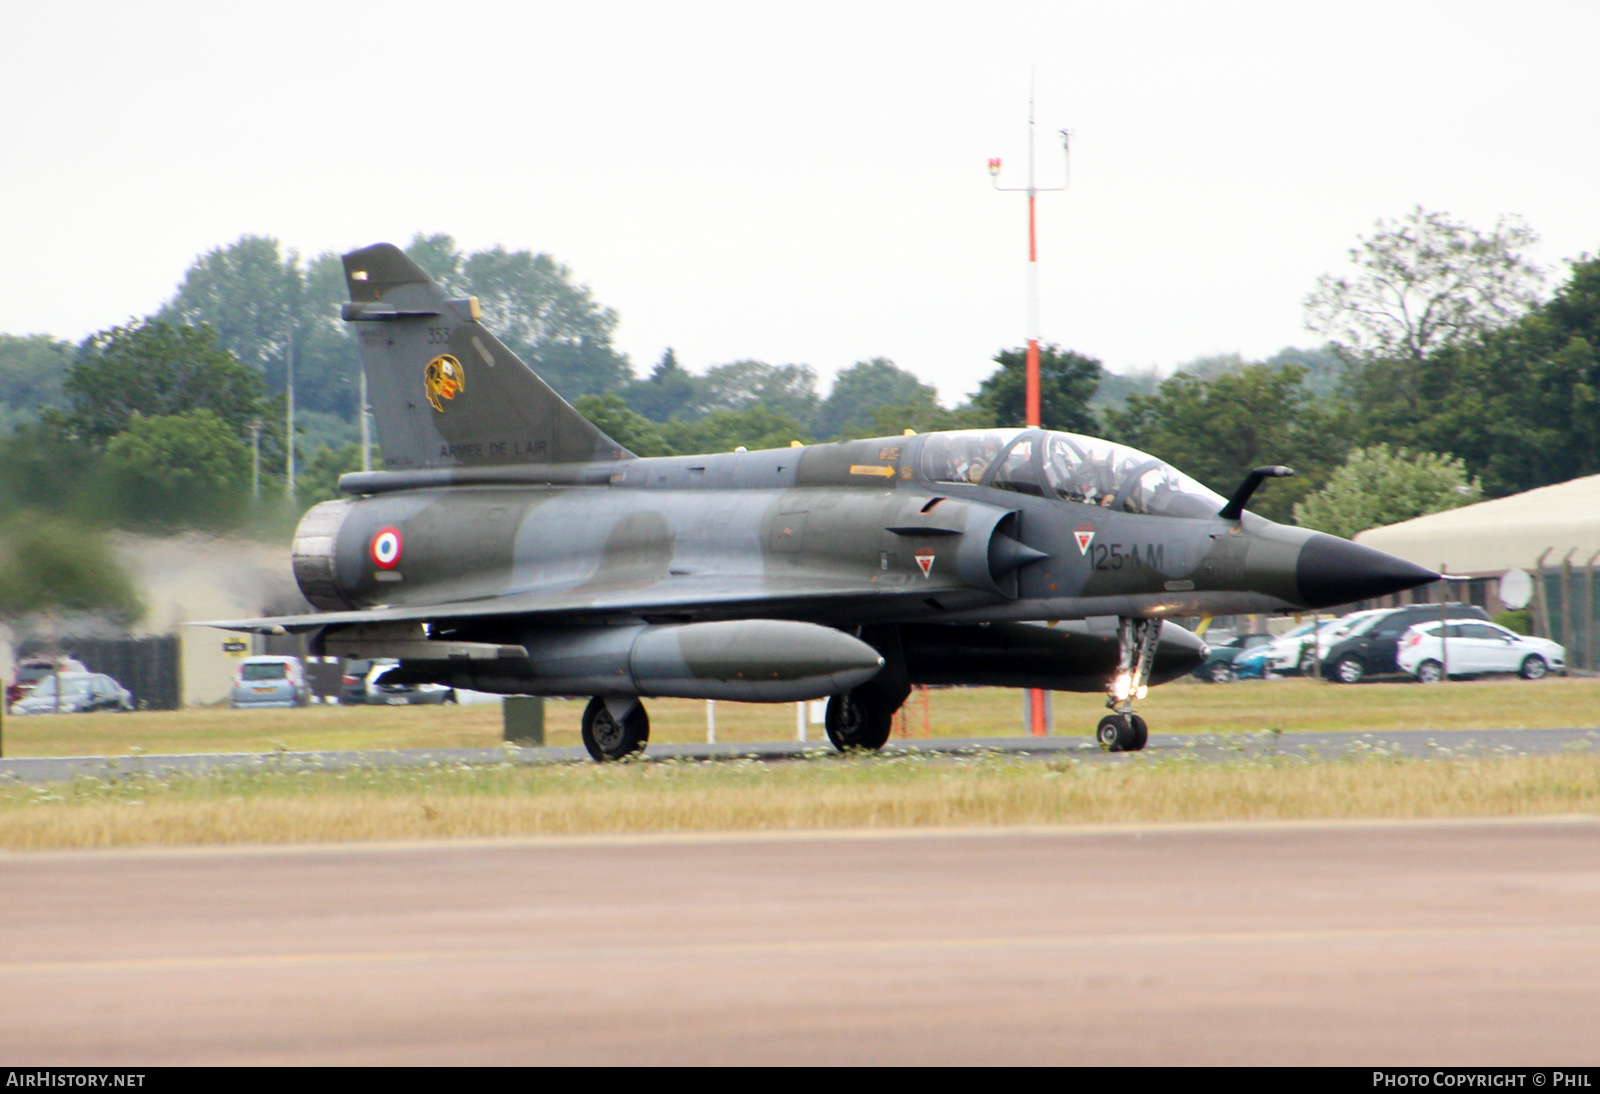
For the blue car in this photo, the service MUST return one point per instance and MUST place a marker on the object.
(1253, 664)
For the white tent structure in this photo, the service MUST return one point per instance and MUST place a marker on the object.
(1553, 522)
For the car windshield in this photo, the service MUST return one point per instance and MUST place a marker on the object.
(1069, 467)
(72, 687)
(265, 670)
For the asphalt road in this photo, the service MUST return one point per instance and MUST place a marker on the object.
(1431, 943)
(1421, 743)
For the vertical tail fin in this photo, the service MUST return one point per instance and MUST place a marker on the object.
(445, 392)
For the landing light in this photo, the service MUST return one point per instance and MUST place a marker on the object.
(1144, 689)
(1122, 686)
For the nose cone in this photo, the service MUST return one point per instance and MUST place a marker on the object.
(1333, 571)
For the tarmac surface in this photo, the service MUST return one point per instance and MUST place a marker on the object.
(1425, 743)
(1446, 943)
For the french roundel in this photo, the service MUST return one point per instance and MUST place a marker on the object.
(386, 548)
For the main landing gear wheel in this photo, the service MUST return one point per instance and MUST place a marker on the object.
(608, 738)
(858, 721)
(1122, 733)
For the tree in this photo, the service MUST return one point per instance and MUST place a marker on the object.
(157, 369)
(533, 305)
(631, 430)
(178, 469)
(725, 430)
(1217, 430)
(49, 565)
(318, 480)
(32, 367)
(1425, 282)
(1067, 381)
(669, 392)
(741, 385)
(860, 390)
(1383, 485)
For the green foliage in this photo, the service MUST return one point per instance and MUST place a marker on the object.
(1521, 405)
(631, 430)
(1217, 430)
(32, 367)
(864, 388)
(923, 414)
(1520, 620)
(318, 480)
(788, 390)
(669, 392)
(1067, 381)
(1425, 282)
(51, 565)
(157, 369)
(1382, 485)
(726, 430)
(185, 469)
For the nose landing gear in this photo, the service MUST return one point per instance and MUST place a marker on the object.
(1122, 730)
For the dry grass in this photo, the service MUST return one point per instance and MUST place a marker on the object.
(1182, 707)
(872, 792)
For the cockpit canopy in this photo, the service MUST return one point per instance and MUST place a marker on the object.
(1069, 467)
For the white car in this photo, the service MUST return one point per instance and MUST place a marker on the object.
(1472, 647)
(1292, 652)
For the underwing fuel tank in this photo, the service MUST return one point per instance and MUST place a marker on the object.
(747, 660)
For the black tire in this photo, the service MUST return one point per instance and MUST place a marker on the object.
(1348, 670)
(1116, 733)
(1141, 734)
(1430, 672)
(858, 721)
(1533, 668)
(1220, 672)
(608, 739)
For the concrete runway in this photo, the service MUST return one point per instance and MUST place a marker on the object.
(1373, 943)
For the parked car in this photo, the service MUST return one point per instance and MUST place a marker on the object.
(31, 670)
(1254, 663)
(1475, 648)
(270, 681)
(81, 693)
(366, 682)
(1291, 652)
(1218, 665)
(1370, 646)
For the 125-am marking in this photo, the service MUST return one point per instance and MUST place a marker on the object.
(1114, 556)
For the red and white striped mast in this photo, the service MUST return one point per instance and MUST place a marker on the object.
(1036, 697)
(1033, 190)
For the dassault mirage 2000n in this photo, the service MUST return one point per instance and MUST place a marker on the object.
(510, 546)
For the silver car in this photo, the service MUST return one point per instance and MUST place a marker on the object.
(80, 693)
(270, 682)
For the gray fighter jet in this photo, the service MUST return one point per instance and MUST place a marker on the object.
(510, 546)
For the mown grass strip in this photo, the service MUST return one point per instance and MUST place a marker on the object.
(386, 804)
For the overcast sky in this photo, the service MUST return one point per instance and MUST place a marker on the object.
(798, 182)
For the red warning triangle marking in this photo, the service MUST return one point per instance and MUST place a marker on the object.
(925, 561)
(1084, 534)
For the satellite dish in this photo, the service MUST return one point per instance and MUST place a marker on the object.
(1516, 588)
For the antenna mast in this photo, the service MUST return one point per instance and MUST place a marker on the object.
(1033, 190)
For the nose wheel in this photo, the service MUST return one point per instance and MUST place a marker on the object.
(1122, 730)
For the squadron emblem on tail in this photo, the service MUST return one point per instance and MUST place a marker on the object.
(443, 378)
